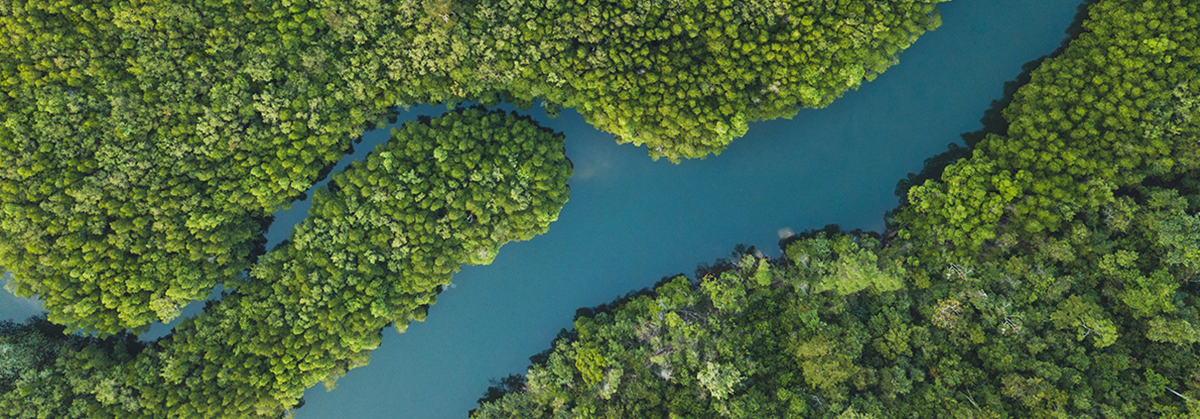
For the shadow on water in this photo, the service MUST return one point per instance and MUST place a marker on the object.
(829, 230)
(992, 122)
(993, 118)
(515, 383)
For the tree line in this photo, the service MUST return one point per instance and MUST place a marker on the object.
(1052, 273)
(381, 240)
(147, 143)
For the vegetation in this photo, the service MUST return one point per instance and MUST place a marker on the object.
(826, 332)
(755, 340)
(1112, 110)
(45, 373)
(684, 78)
(146, 143)
(379, 243)
(1050, 274)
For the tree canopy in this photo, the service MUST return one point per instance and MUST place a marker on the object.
(1096, 322)
(1050, 274)
(684, 78)
(1112, 109)
(379, 242)
(146, 143)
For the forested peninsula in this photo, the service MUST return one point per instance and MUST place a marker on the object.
(1052, 273)
(147, 143)
(379, 241)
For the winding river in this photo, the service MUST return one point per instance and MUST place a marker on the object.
(630, 221)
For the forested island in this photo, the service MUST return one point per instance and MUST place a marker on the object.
(1052, 273)
(147, 143)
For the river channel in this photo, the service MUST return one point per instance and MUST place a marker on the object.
(630, 221)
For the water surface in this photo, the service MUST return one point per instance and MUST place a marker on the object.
(630, 221)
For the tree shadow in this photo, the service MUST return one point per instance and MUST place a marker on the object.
(515, 383)
(993, 120)
(704, 269)
(830, 230)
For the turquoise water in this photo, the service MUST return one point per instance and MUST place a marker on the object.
(16, 308)
(631, 221)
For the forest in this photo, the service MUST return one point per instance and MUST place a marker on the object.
(379, 243)
(1051, 273)
(147, 143)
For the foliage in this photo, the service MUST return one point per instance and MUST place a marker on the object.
(145, 143)
(1051, 274)
(846, 264)
(47, 374)
(684, 78)
(731, 345)
(378, 245)
(380, 242)
(29, 346)
(1038, 330)
(1114, 108)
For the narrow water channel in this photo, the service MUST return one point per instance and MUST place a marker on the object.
(631, 221)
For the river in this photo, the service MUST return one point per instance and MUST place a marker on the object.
(630, 221)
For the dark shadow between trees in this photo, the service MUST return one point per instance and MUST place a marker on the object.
(829, 230)
(993, 118)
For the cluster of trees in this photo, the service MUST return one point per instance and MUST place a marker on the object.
(379, 243)
(1097, 324)
(1106, 114)
(146, 143)
(684, 78)
(754, 338)
(33, 346)
(1053, 273)
(44, 372)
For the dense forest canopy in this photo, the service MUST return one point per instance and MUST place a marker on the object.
(48, 374)
(147, 142)
(685, 77)
(1053, 273)
(379, 243)
(1113, 110)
